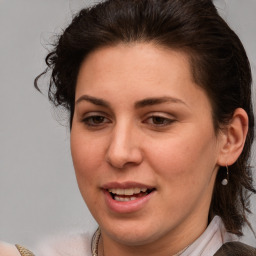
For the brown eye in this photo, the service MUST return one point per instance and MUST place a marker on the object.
(95, 120)
(159, 121)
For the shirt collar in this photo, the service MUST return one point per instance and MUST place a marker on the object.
(211, 240)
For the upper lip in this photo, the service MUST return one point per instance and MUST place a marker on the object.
(125, 185)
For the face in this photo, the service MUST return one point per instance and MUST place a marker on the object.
(143, 144)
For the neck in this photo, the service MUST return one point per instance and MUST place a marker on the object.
(166, 246)
(138, 250)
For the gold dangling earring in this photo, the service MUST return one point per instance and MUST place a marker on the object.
(226, 180)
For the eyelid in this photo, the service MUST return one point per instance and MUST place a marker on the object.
(94, 113)
(87, 117)
(160, 114)
(167, 118)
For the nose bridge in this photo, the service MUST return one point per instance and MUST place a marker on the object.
(123, 145)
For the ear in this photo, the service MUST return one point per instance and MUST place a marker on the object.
(233, 138)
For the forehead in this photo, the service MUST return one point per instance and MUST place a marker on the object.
(144, 68)
(144, 58)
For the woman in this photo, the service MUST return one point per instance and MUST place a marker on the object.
(161, 121)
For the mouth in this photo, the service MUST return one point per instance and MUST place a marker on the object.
(129, 194)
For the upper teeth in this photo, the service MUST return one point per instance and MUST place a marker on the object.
(127, 191)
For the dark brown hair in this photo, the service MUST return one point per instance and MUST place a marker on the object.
(218, 61)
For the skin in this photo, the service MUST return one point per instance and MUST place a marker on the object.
(116, 139)
(8, 250)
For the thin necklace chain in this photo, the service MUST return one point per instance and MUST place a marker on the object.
(95, 243)
(180, 252)
(96, 240)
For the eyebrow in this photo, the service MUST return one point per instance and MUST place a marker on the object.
(158, 100)
(139, 104)
(93, 100)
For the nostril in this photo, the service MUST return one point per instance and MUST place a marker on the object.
(121, 160)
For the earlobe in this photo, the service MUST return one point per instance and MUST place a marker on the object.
(234, 138)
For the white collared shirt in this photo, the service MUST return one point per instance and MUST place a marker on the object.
(80, 245)
(211, 240)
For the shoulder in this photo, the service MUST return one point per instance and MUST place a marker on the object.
(8, 250)
(67, 244)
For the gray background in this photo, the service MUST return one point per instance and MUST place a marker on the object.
(38, 191)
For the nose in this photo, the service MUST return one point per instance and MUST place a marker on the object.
(124, 148)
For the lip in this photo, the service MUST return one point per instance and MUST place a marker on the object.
(124, 185)
(130, 206)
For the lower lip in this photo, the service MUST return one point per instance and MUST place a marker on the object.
(126, 207)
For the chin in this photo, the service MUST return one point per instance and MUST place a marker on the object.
(134, 234)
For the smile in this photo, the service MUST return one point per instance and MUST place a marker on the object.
(128, 194)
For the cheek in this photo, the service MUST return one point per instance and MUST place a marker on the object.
(184, 159)
(86, 157)
(185, 171)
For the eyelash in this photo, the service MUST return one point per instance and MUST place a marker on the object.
(156, 121)
(90, 120)
(165, 121)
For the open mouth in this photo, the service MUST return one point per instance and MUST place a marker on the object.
(129, 194)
